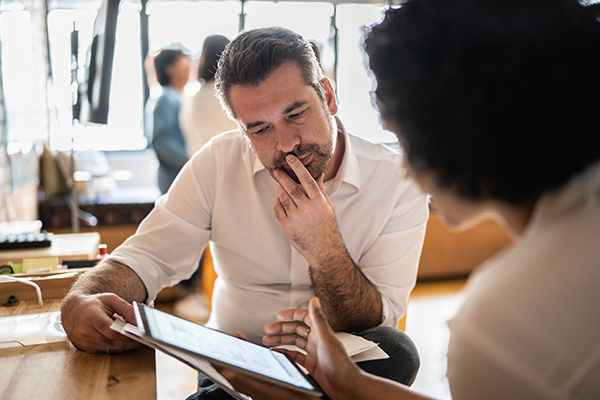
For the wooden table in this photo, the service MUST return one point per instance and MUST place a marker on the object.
(60, 371)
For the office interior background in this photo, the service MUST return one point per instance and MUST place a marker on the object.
(39, 74)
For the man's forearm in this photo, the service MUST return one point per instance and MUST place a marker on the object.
(113, 277)
(348, 298)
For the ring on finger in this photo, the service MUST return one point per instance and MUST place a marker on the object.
(306, 334)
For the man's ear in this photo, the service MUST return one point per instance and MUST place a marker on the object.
(330, 96)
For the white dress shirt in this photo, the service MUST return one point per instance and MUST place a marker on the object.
(529, 327)
(225, 195)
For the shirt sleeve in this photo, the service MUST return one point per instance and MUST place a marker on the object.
(391, 261)
(170, 241)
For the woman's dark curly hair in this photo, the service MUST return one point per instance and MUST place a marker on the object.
(499, 98)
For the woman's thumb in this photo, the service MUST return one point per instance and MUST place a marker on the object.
(316, 314)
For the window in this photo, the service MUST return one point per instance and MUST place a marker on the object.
(354, 82)
(124, 128)
(18, 76)
(187, 23)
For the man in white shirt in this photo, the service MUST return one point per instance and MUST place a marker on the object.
(293, 207)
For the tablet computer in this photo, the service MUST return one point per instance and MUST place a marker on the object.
(222, 349)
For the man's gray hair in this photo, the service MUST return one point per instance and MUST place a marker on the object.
(253, 55)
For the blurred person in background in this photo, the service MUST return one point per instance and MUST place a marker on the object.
(202, 117)
(172, 68)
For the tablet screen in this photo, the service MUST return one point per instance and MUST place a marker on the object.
(220, 347)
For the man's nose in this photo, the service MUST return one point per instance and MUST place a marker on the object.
(287, 140)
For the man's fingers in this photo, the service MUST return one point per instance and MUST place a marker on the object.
(290, 339)
(116, 342)
(306, 180)
(309, 186)
(289, 188)
(285, 199)
(287, 327)
(290, 329)
(296, 314)
(99, 338)
(321, 185)
(113, 304)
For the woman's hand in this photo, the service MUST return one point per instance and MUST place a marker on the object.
(325, 358)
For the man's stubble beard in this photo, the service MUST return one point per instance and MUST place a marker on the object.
(321, 154)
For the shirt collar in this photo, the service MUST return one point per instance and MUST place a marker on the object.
(349, 171)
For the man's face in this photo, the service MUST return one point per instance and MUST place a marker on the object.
(283, 115)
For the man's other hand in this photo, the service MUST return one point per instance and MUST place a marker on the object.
(87, 319)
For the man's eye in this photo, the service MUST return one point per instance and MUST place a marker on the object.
(261, 130)
(298, 114)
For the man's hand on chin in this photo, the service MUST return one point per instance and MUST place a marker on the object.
(306, 213)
